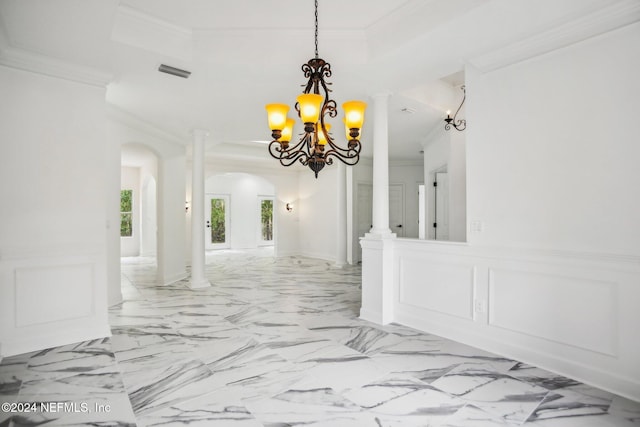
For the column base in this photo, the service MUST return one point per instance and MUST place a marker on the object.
(199, 284)
(377, 278)
(380, 234)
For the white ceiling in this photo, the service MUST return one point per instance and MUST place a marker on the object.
(246, 53)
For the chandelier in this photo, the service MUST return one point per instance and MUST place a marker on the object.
(460, 124)
(316, 147)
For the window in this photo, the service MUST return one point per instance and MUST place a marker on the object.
(126, 217)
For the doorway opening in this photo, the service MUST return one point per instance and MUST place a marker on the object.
(266, 221)
(217, 221)
(138, 201)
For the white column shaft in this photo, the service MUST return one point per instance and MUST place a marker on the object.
(341, 224)
(380, 214)
(198, 279)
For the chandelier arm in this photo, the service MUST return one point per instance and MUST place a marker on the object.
(325, 71)
(291, 159)
(335, 147)
(299, 145)
(330, 108)
(349, 161)
(289, 156)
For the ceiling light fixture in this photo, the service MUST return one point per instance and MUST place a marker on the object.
(316, 148)
(461, 124)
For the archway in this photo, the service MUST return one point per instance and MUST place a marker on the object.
(139, 169)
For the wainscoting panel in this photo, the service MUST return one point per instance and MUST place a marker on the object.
(443, 287)
(576, 311)
(51, 294)
(51, 297)
(569, 312)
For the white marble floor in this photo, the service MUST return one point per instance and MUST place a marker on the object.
(277, 342)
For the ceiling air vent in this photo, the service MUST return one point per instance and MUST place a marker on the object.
(174, 71)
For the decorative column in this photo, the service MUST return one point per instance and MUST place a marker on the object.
(380, 214)
(198, 279)
(377, 245)
(341, 223)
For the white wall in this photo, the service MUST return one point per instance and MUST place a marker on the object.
(53, 246)
(149, 214)
(551, 275)
(244, 210)
(445, 151)
(551, 144)
(318, 214)
(130, 180)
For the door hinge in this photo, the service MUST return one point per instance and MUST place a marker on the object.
(435, 184)
(435, 225)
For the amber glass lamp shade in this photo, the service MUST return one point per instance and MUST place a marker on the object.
(322, 140)
(277, 116)
(287, 132)
(354, 114)
(309, 107)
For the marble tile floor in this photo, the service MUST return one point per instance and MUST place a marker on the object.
(277, 342)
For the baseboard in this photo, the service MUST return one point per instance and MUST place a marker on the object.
(473, 336)
(26, 345)
(175, 278)
(371, 316)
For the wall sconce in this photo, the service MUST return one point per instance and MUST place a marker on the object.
(461, 124)
(289, 207)
(186, 206)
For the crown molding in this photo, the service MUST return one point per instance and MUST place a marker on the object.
(135, 28)
(598, 22)
(125, 118)
(41, 64)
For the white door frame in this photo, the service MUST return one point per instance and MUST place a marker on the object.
(273, 216)
(207, 218)
(397, 224)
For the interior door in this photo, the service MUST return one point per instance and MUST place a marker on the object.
(396, 209)
(365, 219)
(216, 216)
(422, 217)
(441, 220)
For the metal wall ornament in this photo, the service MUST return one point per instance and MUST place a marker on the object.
(458, 125)
(316, 147)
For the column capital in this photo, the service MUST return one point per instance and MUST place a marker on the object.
(199, 134)
(382, 95)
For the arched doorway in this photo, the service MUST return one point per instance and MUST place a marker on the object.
(138, 201)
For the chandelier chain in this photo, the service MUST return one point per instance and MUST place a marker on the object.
(316, 33)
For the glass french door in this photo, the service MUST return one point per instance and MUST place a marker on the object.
(216, 216)
(266, 221)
